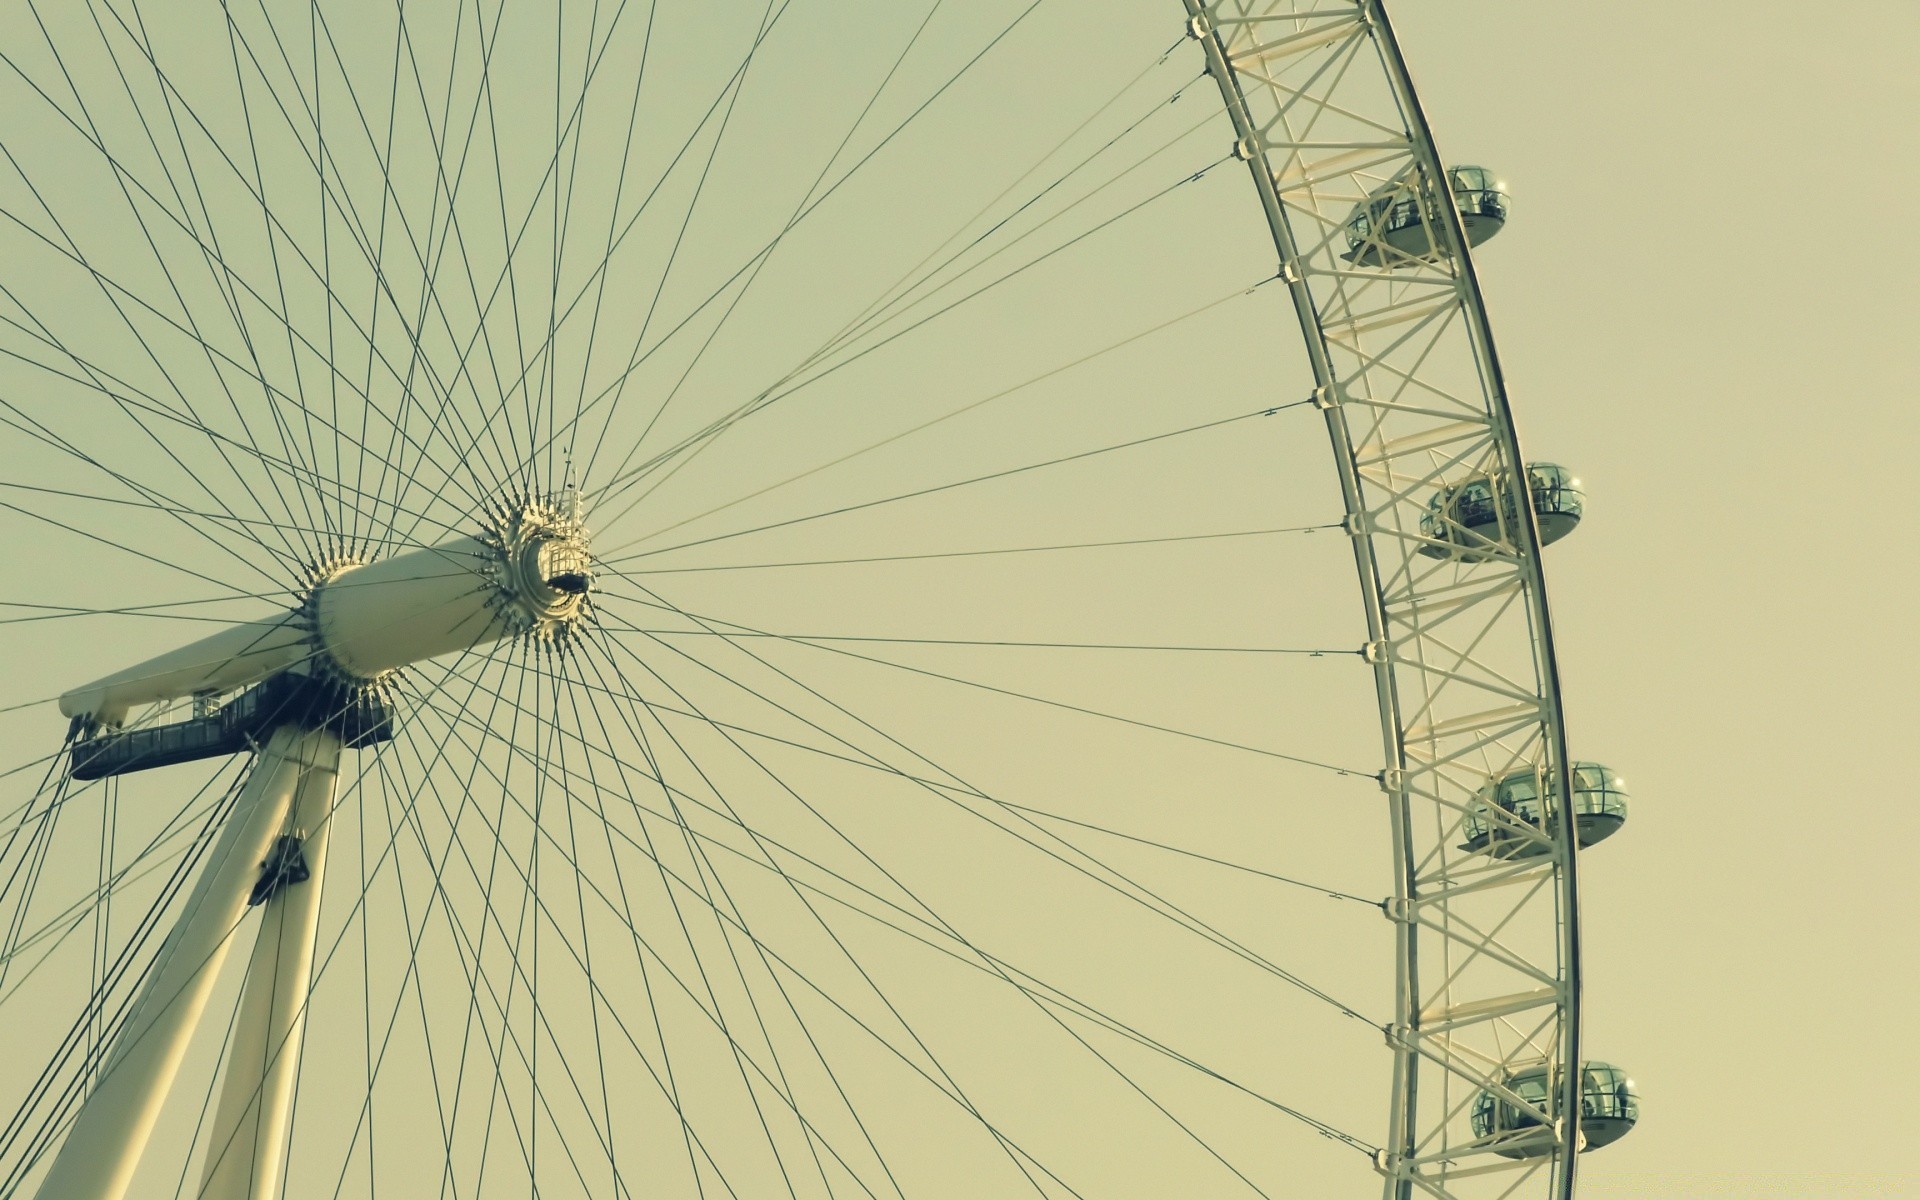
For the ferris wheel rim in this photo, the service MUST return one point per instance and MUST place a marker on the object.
(1377, 638)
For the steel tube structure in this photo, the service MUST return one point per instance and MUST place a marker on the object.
(249, 1137)
(360, 621)
(1488, 956)
(97, 1160)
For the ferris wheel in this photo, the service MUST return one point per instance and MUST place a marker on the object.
(653, 602)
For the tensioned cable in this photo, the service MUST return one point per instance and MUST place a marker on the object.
(810, 203)
(1319, 1126)
(1019, 695)
(463, 939)
(776, 394)
(718, 1021)
(629, 715)
(651, 571)
(540, 908)
(1170, 911)
(70, 1094)
(1326, 1130)
(1007, 472)
(948, 416)
(92, 134)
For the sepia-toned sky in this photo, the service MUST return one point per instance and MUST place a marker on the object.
(1706, 298)
(1060, 500)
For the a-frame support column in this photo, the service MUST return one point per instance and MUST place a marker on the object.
(97, 1160)
(248, 1143)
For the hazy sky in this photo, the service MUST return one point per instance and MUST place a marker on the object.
(1705, 299)
(1701, 302)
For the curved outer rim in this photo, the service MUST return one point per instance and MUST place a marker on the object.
(1399, 1161)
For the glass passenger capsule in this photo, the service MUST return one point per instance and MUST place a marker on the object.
(1609, 1106)
(1508, 819)
(1470, 520)
(1392, 227)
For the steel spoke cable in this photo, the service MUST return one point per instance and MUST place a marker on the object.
(127, 409)
(1333, 893)
(979, 959)
(704, 868)
(390, 462)
(239, 525)
(70, 1097)
(179, 513)
(650, 571)
(540, 909)
(47, 437)
(739, 83)
(185, 330)
(120, 290)
(586, 938)
(344, 206)
(652, 855)
(610, 553)
(624, 479)
(988, 477)
(1019, 695)
(415, 933)
(941, 924)
(847, 953)
(448, 1120)
(185, 227)
(93, 373)
(16, 1127)
(619, 382)
(761, 260)
(1102, 1018)
(605, 263)
(320, 158)
(594, 792)
(1142, 895)
(234, 588)
(151, 858)
(92, 133)
(273, 252)
(694, 442)
(906, 302)
(717, 1020)
(919, 269)
(920, 641)
(483, 94)
(676, 456)
(1322, 1127)
(672, 1092)
(224, 283)
(606, 253)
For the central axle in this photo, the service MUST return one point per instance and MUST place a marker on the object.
(527, 573)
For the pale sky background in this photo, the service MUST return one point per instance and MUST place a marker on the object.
(1706, 298)
(1702, 303)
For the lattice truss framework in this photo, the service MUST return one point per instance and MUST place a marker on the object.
(1461, 645)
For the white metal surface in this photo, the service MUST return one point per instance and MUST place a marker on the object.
(410, 607)
(249, 1137)
(97, 1160)
(231, 658)
(365, 620)
(1406, 375)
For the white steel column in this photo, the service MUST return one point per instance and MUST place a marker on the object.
(97, 1160)
(249, 1138)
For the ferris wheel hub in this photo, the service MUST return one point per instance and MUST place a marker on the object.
(527, 573)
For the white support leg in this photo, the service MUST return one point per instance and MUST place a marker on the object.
(97, 1160)
(248, 1143)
